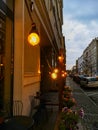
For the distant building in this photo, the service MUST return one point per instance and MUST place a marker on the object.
(88, 62)
(73, 70)
(80, 65)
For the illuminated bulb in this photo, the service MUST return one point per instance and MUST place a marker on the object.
(60, 58)
(64, 74)
(53, 75)
(33, 39)
(56, 70)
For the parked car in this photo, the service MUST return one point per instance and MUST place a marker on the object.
(78, 78)
(89, 82)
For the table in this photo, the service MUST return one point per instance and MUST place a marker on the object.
(17, 123)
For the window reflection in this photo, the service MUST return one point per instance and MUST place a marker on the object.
(2, 46)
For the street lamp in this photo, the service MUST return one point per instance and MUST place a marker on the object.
(54, 75)
(60, 58)
(33, 37)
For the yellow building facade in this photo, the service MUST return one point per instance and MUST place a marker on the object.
(27, 67)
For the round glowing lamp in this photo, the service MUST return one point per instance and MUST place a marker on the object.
(56, 70)
(64, 74)
(33, 39)
(53, 75)
(60, 58)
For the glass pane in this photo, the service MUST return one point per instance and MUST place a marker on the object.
(6, 60)
(2, 51)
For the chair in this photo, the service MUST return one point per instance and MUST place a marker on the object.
(13, 109)
(17, 121)
(17, 107)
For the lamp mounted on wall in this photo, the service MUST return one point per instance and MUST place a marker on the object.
(33, 37)
(54, 73)
(60, 58)
(63, 74)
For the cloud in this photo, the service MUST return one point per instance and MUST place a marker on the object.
(84, 10)
(80, 27)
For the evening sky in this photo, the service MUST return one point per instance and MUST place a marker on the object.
(80, 26)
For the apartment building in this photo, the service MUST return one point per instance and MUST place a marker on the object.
(89, 61)
(80, 65)
(24, 69)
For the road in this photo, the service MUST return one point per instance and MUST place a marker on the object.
(92, 93)
(88, 100)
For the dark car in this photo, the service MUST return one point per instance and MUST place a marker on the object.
(78, 78)
(89, 82)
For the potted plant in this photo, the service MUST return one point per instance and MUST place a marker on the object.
(69, 119)
(67, 89)
(69, 102)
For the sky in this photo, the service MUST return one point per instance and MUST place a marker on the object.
(80, 27)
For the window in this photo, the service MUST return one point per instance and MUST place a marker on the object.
(6, 53)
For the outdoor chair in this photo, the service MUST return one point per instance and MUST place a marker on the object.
(16, 120)
(17, 107)
(13, 109)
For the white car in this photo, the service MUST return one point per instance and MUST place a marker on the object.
(89, 82)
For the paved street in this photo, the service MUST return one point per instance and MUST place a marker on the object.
(90, 120)
(92, 93)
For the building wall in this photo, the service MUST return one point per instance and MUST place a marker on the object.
(80, 65)
(23, 62)
(97, 55)
(55, 14)
(26, 58)
(90, 59)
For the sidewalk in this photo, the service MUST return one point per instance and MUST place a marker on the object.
(50, 121)
(89, 107)
(80, 124)
(55, 115)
